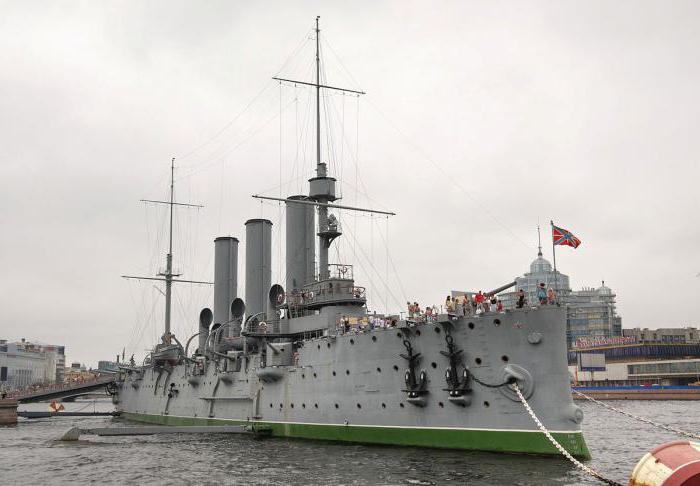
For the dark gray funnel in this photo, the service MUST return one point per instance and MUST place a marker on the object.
(300, 244)
(225, 277)
(258, 267)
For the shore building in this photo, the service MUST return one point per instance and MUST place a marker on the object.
(20, 367)
(684, 335)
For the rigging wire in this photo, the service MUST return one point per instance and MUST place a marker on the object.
(279, 212)
(228, 152)
(447, 176)
(420, 151)
(370, 262)
(291, 56)
(227, 125)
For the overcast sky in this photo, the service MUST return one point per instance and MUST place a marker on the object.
(481, 119)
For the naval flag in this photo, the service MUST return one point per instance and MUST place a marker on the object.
(560, 236)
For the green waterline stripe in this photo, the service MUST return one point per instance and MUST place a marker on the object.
(495, 440)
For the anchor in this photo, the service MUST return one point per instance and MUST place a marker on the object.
(415, 386)
(457, 382)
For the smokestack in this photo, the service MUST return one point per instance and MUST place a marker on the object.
(258, 265)
(225, 276)
(301, 244)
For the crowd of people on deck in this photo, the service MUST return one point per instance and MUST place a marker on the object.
(480, 303)
(458, 306)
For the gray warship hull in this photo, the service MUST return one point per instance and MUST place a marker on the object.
(351, 387)
(309, 362)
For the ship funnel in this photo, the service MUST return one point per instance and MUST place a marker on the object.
(258, 269)
(205, 319)
(300, 244)
(225, 276)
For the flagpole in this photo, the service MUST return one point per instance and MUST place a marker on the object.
(554, 256)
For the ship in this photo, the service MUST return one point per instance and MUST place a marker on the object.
(293, 361)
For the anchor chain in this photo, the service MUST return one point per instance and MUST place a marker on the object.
(509, 381)
(635, 417)
(560, 448)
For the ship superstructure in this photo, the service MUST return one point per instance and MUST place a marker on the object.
(288, 360)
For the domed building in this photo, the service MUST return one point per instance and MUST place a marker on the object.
(591, 312)
(541, 271)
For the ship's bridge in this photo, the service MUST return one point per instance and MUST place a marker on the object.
(338, 289)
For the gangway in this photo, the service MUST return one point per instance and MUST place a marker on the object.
(66, 391)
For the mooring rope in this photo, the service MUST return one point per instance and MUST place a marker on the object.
(635, 417)
(560, 448)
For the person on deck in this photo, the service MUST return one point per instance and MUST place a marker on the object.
(542, 294)
(479, 299)
(551, 296)
(521, 299)
(449, 305)
(466, 305)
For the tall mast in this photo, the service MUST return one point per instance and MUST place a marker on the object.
(169, 260)
(322, 187)
(168, 275)
(328, 192)
(318, 102)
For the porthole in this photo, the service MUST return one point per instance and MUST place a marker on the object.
(398, 334)
(433, 364)
(270, 405)
(303, 376)
(336, 406)
(477, 360)
(280, 405)
(470, 325)
(315, 376)
(401, 405)
(437, 329)
(374, 338)
(292, 405)
(303, 405)
(347, 372)
(328, 344)
(487, 404)
(496, 322)
(315, 405)
(441, 404)
(334, 373)
(383, 405)
(352, 341)
(504, 358)
(318, 346)
(379, 370)
(396, 368)
(359, 406)
(417, 332)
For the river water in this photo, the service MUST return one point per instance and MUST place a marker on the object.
(30, 454)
